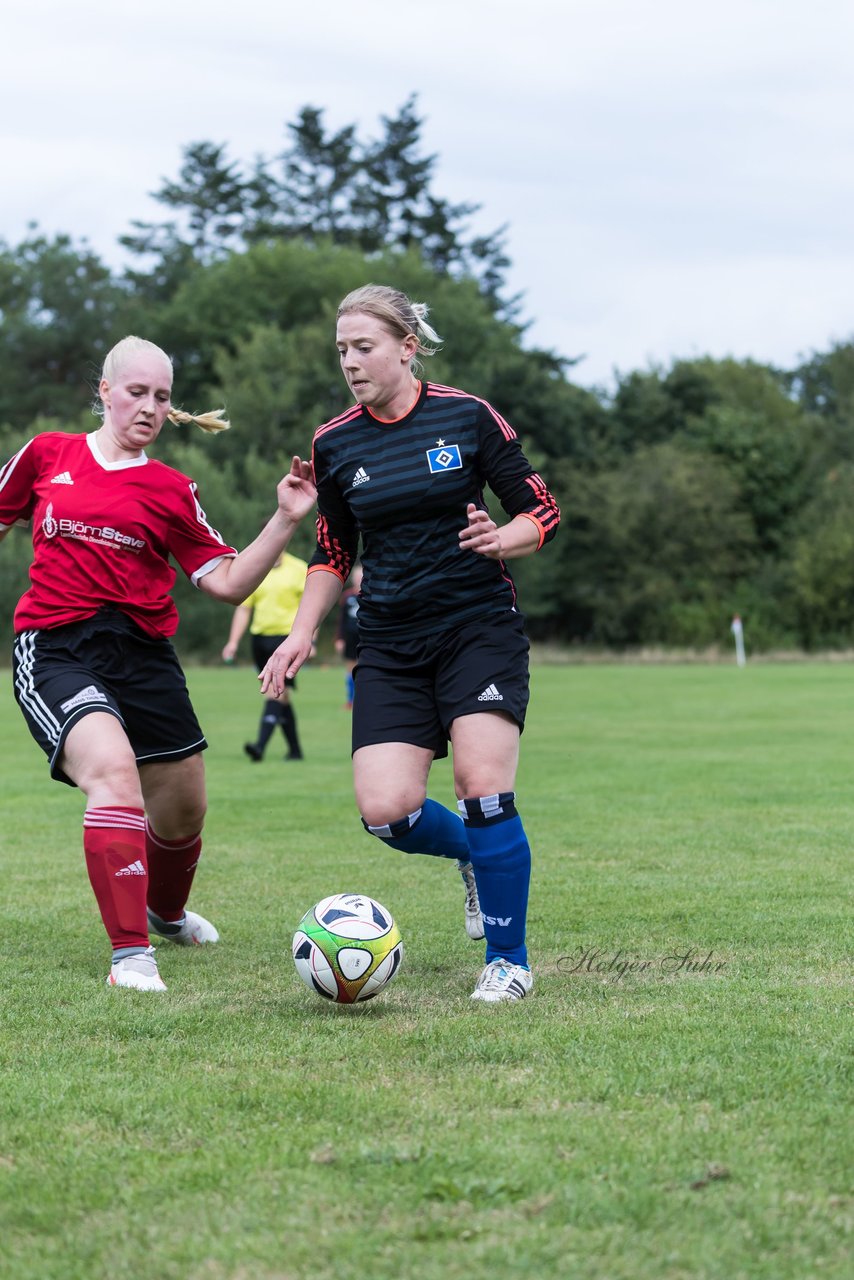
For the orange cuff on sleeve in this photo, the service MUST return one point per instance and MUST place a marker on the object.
(541, 533)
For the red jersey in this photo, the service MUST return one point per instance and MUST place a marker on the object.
(103, 533)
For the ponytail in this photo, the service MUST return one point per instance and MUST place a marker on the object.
(213, 421)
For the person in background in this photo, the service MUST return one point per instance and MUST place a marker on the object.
(268, 613)
(347, 636)
(95, 673)
(443, 654)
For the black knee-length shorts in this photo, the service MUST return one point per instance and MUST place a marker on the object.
(105, 663)
(412, 691)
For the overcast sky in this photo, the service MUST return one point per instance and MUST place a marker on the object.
(678, 177)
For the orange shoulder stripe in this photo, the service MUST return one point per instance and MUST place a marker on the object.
(440, 391)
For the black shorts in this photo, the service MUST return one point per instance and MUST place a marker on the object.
(105, 663)
(263, 648)
(412, 691)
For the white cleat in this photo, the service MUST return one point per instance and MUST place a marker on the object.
(193, 931)
(474, 918)
(138, 972)
(502, 980)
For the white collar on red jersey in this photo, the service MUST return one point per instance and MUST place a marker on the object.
(113, 466)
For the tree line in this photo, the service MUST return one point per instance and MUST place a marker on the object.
(689, 493)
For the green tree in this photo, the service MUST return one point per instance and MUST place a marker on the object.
(315, 198)
(824, 384)
(823, 563)
(393, 204)
(60, 308)
(375, 195)
(280, 284)
(762, 437)
(211, 200)
(278, 385)
(212, 196)
(653, 406)
(642, 413)
(654, 550)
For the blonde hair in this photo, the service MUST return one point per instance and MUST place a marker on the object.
(400, 316)
(212, 421)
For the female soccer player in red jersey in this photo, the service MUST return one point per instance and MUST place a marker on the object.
(442, 649)
(96, 675)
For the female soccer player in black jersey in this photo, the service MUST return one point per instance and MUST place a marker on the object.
(95, 673)
(442, 649)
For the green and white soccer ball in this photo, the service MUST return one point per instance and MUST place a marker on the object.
(347, 948)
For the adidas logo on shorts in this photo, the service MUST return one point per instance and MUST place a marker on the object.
(491, 694)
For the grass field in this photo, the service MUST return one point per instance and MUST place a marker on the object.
(671, 1102)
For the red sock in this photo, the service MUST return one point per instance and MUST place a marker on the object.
(171, 867)
(114, 844)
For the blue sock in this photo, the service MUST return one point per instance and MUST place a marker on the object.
(501, 857)
(350, 685)
(432, 829)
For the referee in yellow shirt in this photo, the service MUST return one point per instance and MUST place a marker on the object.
(269, 613)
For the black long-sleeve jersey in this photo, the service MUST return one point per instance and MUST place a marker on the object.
(403, 487)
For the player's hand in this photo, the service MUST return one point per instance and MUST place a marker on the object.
(284, 663)
(296, 492)
(228, 652)
(481, 534)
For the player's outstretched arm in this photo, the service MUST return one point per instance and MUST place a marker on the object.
(236, 577)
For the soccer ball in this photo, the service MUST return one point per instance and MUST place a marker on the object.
(347, 948)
